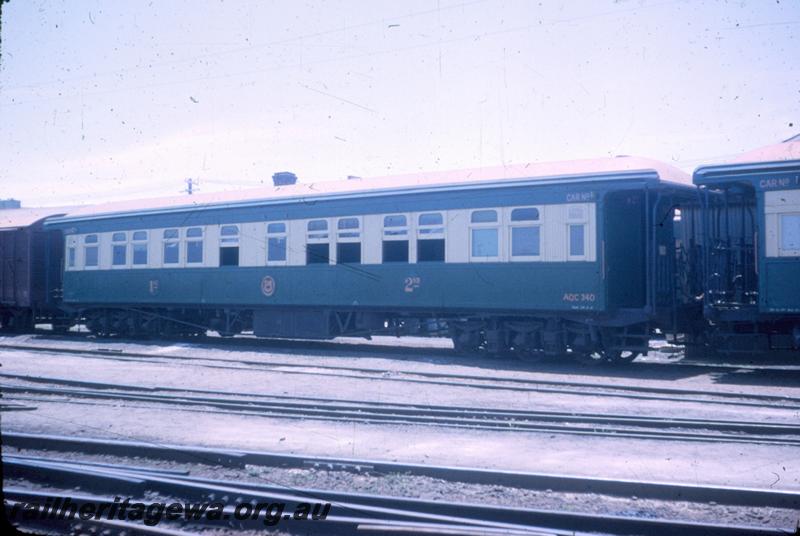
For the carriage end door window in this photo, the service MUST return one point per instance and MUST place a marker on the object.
(577, 229)
(789, 235)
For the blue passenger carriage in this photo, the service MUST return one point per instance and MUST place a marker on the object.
(585, 258)
(751, 218)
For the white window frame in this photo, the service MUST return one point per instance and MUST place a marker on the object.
(574, 220)
(229, 241)
(404, 229)
(495, 225)
(86, 245)
(340, 239)
(421, 232)
(357, 231)
(406, 233)
(187, 239)
(786, 252)
(320, 240)
(117, 243)
(177, 240)
(285, 236)
(138, 242)
(538, 223)
(71, 250)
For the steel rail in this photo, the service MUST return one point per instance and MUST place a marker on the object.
(256, 400)
(331, 524)
(238, 459)
(392, 508)
(468, 418)
(637, 392)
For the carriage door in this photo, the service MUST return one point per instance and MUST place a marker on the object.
(624, 249)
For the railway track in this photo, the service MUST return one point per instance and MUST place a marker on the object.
(505, 420)
(636, 392)
(49, 474)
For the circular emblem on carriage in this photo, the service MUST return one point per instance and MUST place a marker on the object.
(268, 286)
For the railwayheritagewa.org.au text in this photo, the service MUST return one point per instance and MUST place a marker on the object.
(65, 508)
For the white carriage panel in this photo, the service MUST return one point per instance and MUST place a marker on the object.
(252, 244)
(771, 235)
(210, 246)
(554, 230)
(104, 251)
(457, 235)
(781, 200)
(372, 239)
(296, 242)
(155, 248)
(591, 232)
(71, 241)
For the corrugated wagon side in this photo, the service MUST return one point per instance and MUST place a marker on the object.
(30, 268)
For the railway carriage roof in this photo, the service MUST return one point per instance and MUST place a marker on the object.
(779, 156)
(17, 218)
(624, 167)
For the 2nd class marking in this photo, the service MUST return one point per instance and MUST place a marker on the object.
(412, 283)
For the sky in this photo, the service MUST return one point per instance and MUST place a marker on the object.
(103, 100)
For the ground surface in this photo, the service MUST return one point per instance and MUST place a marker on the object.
(272, 369)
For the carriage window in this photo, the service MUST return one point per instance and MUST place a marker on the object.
(484, 234)
(171, 246)
(430, 237)
(318, 253)
(431, 223)
(318, 250)
(395, 238)
(139, 248)
(229, 234)
(318, 229)
(577, 240)
(348, 253)
(790, 234)
(576, 231)
(119, 248)
(90, 251)
(348, 246)
(276, 242)
(229, 245)
(348, 228)
(395, 225)
(484, 216)
(525, 233)
(71, 257)
(194, 244)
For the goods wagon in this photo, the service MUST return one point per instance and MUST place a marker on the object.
(30, 268)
